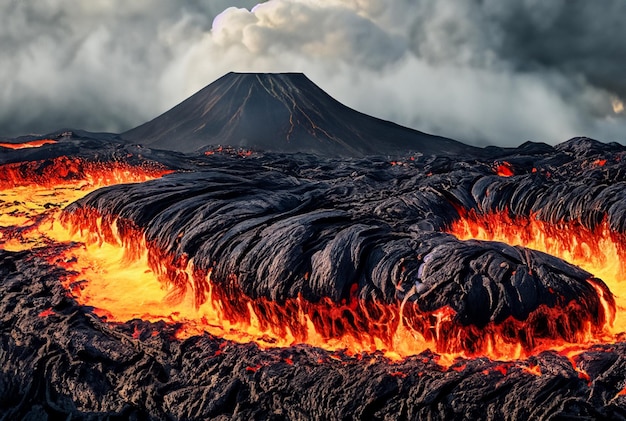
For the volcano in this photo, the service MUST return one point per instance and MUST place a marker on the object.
(282, 112)
(176, 282)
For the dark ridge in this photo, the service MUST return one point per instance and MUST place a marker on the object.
(281, 112)
(584, 146)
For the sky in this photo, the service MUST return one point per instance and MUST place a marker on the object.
(497, 72)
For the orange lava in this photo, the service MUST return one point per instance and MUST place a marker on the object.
(165, 285)
(535, 370)
(47, 312)
(122, 277)
(32, 195)
(600, 162)
(31, 144)
(74, 173)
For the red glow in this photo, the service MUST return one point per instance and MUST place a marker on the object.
(399, 374)
(47, 312)
(599, 162)
(253, 369)
(502, 369)
(504, 169)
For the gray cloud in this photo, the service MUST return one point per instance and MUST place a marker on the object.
(482, 71)
(577, 39)
(96, 65)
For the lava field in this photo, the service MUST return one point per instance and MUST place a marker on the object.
(314, 287)
(141, 280)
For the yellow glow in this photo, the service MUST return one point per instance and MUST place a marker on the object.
(618, 105)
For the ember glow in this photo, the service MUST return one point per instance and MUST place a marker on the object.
(31, 144)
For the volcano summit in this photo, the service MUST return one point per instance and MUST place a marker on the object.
(281, 112)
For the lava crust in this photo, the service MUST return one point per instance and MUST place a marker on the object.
(444, 249)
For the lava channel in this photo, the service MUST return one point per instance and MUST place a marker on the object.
(190, 294)
(114, 270)
(25, 145)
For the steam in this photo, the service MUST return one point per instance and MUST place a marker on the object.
(484, 72)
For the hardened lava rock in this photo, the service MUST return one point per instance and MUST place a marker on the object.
(274, 226)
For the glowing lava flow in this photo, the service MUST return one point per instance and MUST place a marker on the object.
(31, 144)
(599, 252)
(353, 325)
(120, 284)
(114, 271)
(32, 195)
(150, 293)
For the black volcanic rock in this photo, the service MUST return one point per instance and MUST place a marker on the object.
(371, 220)
(336, 229)
(584, 146)
(283, 112)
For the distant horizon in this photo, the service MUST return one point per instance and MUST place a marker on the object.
(61, 130)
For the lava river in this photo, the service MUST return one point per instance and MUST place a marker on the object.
(123, 276)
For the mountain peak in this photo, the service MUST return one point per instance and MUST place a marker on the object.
(294, 77)
(268, 74)
(281, 112)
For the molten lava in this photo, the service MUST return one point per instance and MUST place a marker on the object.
(31, 144)
(32, 195)
(116, 272)
(174, 290)
(504, 169)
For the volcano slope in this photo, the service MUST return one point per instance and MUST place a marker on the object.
(281, 112)
(320, 250)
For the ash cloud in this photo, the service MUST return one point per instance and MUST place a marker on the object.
(481, 71)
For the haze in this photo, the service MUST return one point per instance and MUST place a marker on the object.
(483, 72)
